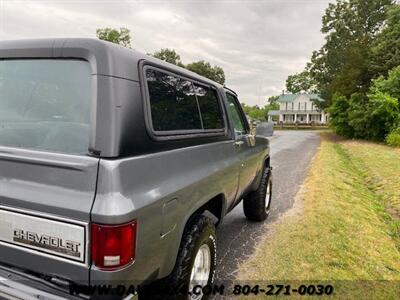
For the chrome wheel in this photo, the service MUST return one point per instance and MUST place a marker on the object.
(268, 193)
(200, 271)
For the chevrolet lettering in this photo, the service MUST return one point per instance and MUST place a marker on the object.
(45, 241)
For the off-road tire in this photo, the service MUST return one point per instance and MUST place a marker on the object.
(199, 230)
(254, 204)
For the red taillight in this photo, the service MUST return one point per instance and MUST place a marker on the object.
(113, 246)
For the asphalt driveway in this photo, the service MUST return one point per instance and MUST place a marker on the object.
(291, 153)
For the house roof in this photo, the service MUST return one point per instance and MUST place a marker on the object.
(273, 113)
(292, 97)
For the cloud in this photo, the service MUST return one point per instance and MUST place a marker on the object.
(257, 43)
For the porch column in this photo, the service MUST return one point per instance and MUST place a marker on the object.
(308, 118)
(295, 118)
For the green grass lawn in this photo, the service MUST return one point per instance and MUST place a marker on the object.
(344, 228)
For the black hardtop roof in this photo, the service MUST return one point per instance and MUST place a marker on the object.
(106, 58)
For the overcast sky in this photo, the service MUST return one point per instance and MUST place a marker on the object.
(258, 43)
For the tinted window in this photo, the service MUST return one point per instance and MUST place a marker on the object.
(211, 113)
(45, 104)
(173, 102)
(234, 112)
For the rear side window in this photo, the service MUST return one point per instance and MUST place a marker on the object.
(173, 102)
(45, 104)
(178, 105)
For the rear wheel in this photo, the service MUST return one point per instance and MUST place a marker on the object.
(201, 271)
(256, 205)
(195, 265)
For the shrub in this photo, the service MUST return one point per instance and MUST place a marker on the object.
(339, 116)
(369, 116)
(393, 138)
(384, 115)
(389, 85)
(358, 117)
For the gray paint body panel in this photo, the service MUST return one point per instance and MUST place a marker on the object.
(129, 175)
(50, 186)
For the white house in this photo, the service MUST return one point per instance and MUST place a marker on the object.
(299, 108)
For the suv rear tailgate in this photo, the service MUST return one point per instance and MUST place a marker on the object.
(45, 204)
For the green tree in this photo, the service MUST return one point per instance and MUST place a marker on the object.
(341, 65)
(169, 55)
(254, 112)
(259, 113)
(385, 50)
(389, 85)
(384, 115)
(358, 114)
(121, 37)
(205, 69)
(273, 100)
(300, 82)
(339, 116)
(372, 116)
(268, 107)
(201, 67)
(384, 99)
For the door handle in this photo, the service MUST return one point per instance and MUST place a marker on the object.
(238, 143)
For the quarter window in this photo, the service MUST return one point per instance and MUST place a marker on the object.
(177, 104)
(172, 102)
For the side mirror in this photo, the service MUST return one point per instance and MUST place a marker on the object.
(265, 129)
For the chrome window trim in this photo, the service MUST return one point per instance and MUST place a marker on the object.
(176, 134)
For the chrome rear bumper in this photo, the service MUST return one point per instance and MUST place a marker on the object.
(15, 285)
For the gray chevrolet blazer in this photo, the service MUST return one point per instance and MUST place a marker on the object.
(115, 169)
